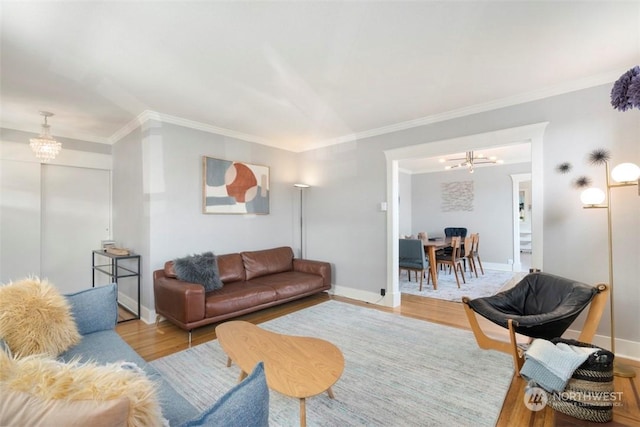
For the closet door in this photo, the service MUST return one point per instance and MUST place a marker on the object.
(76, 211)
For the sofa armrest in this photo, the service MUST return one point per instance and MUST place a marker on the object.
(319, 268)
(95, 309)
(181, 301)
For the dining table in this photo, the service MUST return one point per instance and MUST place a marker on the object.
(430, 247)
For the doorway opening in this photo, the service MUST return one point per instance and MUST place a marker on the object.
(522, 219)
(531, 133)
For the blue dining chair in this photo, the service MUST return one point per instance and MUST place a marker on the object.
(412, 258)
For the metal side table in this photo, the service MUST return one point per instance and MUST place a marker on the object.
(115, 270)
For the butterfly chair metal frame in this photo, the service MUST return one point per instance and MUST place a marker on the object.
(516, 350)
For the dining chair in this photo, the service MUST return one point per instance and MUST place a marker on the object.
(453, 232)
(453, 260)
(475, 238)
(412, 258)
(468, 255)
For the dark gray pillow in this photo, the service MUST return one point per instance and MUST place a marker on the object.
(199, 268)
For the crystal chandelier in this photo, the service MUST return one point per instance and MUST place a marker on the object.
(45, 147)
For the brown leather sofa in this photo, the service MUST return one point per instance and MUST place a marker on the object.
(252, 281)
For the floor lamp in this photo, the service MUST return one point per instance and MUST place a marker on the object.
(624, 175)
(301, 187)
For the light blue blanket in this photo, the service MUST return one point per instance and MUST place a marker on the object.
(552, 365)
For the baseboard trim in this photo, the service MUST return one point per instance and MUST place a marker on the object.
(391, 299)
(146, 315)
(624, 348)
(497, 266)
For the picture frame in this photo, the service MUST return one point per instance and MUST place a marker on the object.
(233, 187)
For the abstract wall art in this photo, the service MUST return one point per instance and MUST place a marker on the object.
(234, 187)
(457, 196)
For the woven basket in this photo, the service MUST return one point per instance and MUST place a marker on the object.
(589, 394)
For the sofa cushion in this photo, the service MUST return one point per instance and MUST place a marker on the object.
(84, 305)
(246, 404)
(107, 347)
(237, 296)
(290, 283)
(199, 268)
(36, 306)
(231, 268)
(24, 409)
(268, 261)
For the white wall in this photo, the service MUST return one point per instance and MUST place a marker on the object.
(158, 198)
(347, 230)
(405, 225)
(21, 193)
(492, 208)
(130, 215)
(19, 220)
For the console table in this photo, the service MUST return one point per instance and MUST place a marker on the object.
(115, 270)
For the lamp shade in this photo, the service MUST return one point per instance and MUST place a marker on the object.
(592, 196)
(625, 172)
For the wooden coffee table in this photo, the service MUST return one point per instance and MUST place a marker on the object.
(294, 366)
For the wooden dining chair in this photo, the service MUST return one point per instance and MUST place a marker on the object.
(453, 261)
(468, 255)
(454, 232)
(475, 238)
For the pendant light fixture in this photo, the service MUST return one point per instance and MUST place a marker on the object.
(470, 160)
(44, 146)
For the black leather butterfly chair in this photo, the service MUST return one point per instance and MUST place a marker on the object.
(541, 305)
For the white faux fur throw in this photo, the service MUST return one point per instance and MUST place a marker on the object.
(35, 318)
(49, 379)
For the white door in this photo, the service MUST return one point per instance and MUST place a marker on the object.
(75, 218)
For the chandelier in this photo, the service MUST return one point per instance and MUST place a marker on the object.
(45, 147)
(470, 160)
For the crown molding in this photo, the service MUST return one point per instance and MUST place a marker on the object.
(147, 115)
(548, 92)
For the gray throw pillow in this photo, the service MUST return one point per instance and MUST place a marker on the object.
(199, 268)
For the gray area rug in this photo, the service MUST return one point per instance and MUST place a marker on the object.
(399, 371)
(492, 282)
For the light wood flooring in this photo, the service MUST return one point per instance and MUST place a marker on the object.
(153, 342)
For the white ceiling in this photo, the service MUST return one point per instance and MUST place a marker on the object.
(302, 74)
